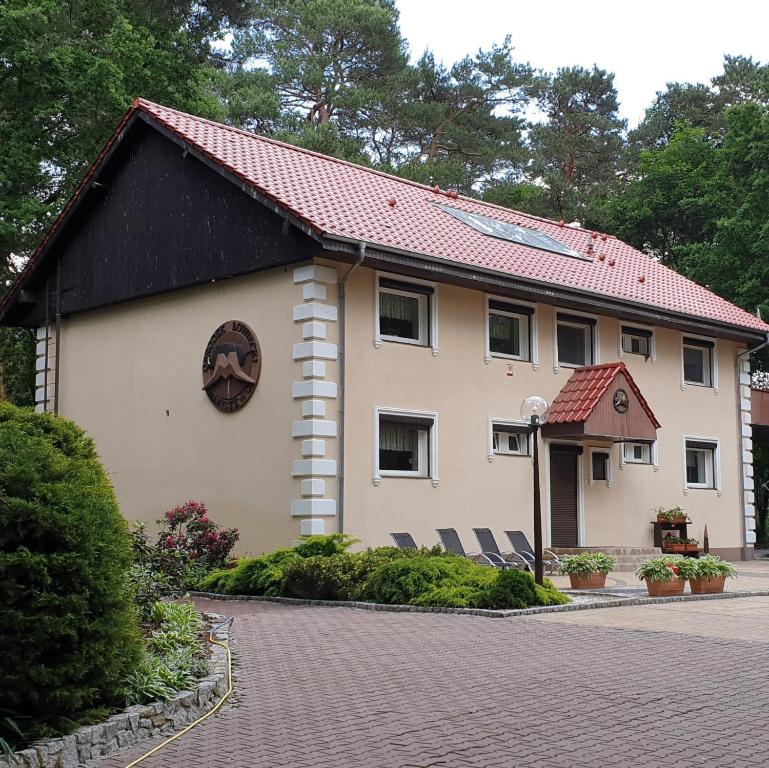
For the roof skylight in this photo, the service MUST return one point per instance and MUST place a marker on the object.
(512, 232)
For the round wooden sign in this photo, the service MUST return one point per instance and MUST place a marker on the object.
(231, 366)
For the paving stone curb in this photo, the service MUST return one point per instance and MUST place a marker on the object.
(135, 724)
(485, 612)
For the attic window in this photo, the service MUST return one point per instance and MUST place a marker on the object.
(515, 233)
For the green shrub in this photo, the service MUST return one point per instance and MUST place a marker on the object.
(216, 581)
(69, 627)
(451, 597)
(321, 578)
(711, 567)
(330, 544)
(511, 589)
(400, 581)
(547, 594)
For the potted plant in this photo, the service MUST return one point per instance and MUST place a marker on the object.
(663, 575)
(587, 570)
(709, 575)
(672, 543)
(690, 545)
(674, 515)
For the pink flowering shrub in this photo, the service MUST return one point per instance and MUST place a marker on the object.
(190, 534)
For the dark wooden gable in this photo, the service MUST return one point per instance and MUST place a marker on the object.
(158, 220)
(633, 424)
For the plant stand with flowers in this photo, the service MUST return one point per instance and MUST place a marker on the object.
(587, 570)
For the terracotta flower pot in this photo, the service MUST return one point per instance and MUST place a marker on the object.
(593, 581)
(691, 547)
(662, 519)
(665, 588)
(707, 586)
(675, 547)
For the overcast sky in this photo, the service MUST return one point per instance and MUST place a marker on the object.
(646, 44)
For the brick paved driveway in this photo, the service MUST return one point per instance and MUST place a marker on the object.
(321, 687)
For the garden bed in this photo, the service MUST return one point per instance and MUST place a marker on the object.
(580, 601)
(135, 724)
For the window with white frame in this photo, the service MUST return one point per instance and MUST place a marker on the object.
(698, 361)
(404, 445)
(509, 439)
(600, 470)
(636, 453)
(509, 330)
(701, 464)
(404, 311)
(636, 341)
(574, 339)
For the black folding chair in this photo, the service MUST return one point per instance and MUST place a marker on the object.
(521, 545)
(404, 540)
(451, 543)
(488, 544)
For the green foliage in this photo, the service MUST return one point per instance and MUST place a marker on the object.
(711, 566)
(175, 657)
(451, 597)
(512, 589)
(330, 544)
(586, 563)
(17, 366)
(321, 577)
(664, 568)
(547, 594)
(70, 633)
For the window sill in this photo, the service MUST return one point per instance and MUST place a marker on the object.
(700, 488)
(573, 365)
(402, 340)
(698, 384)
(502, 356)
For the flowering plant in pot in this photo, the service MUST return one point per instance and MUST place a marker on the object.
(664, 575)
(673, 543)
(709, 575)
(587, 570)
(690, 545)
(674, 515)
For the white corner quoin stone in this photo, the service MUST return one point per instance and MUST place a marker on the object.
(313, 507)
(315, 273)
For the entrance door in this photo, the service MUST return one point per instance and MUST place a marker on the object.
(564, 489)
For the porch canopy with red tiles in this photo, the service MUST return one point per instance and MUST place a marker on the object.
(601, 402)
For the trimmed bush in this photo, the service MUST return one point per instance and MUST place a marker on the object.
(321, 578)
(512, 589)
(70, 634)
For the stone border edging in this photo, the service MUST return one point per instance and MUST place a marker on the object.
(487, 612)
(135, 724)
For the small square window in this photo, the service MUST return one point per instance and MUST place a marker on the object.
(700, 464)
(599, 466)
(698, 362)
(574, 338)
(636, 453)
(404, 446)
(510, 443)
(404, 312)
(636, 341)
(509, 335)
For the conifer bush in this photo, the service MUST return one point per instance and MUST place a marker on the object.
(70, 634)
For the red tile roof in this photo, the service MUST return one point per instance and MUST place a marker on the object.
(339, 199)
(583, 391)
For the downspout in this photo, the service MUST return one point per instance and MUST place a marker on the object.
(342, 376)
(58, 341)
(745, 352)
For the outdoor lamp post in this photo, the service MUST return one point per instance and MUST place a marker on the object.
(534, 412)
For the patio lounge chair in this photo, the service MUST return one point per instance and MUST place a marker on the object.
(521, 545)
(404, 540)
(451, 543)
(488, 544)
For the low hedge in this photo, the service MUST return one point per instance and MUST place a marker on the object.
(321, 568)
